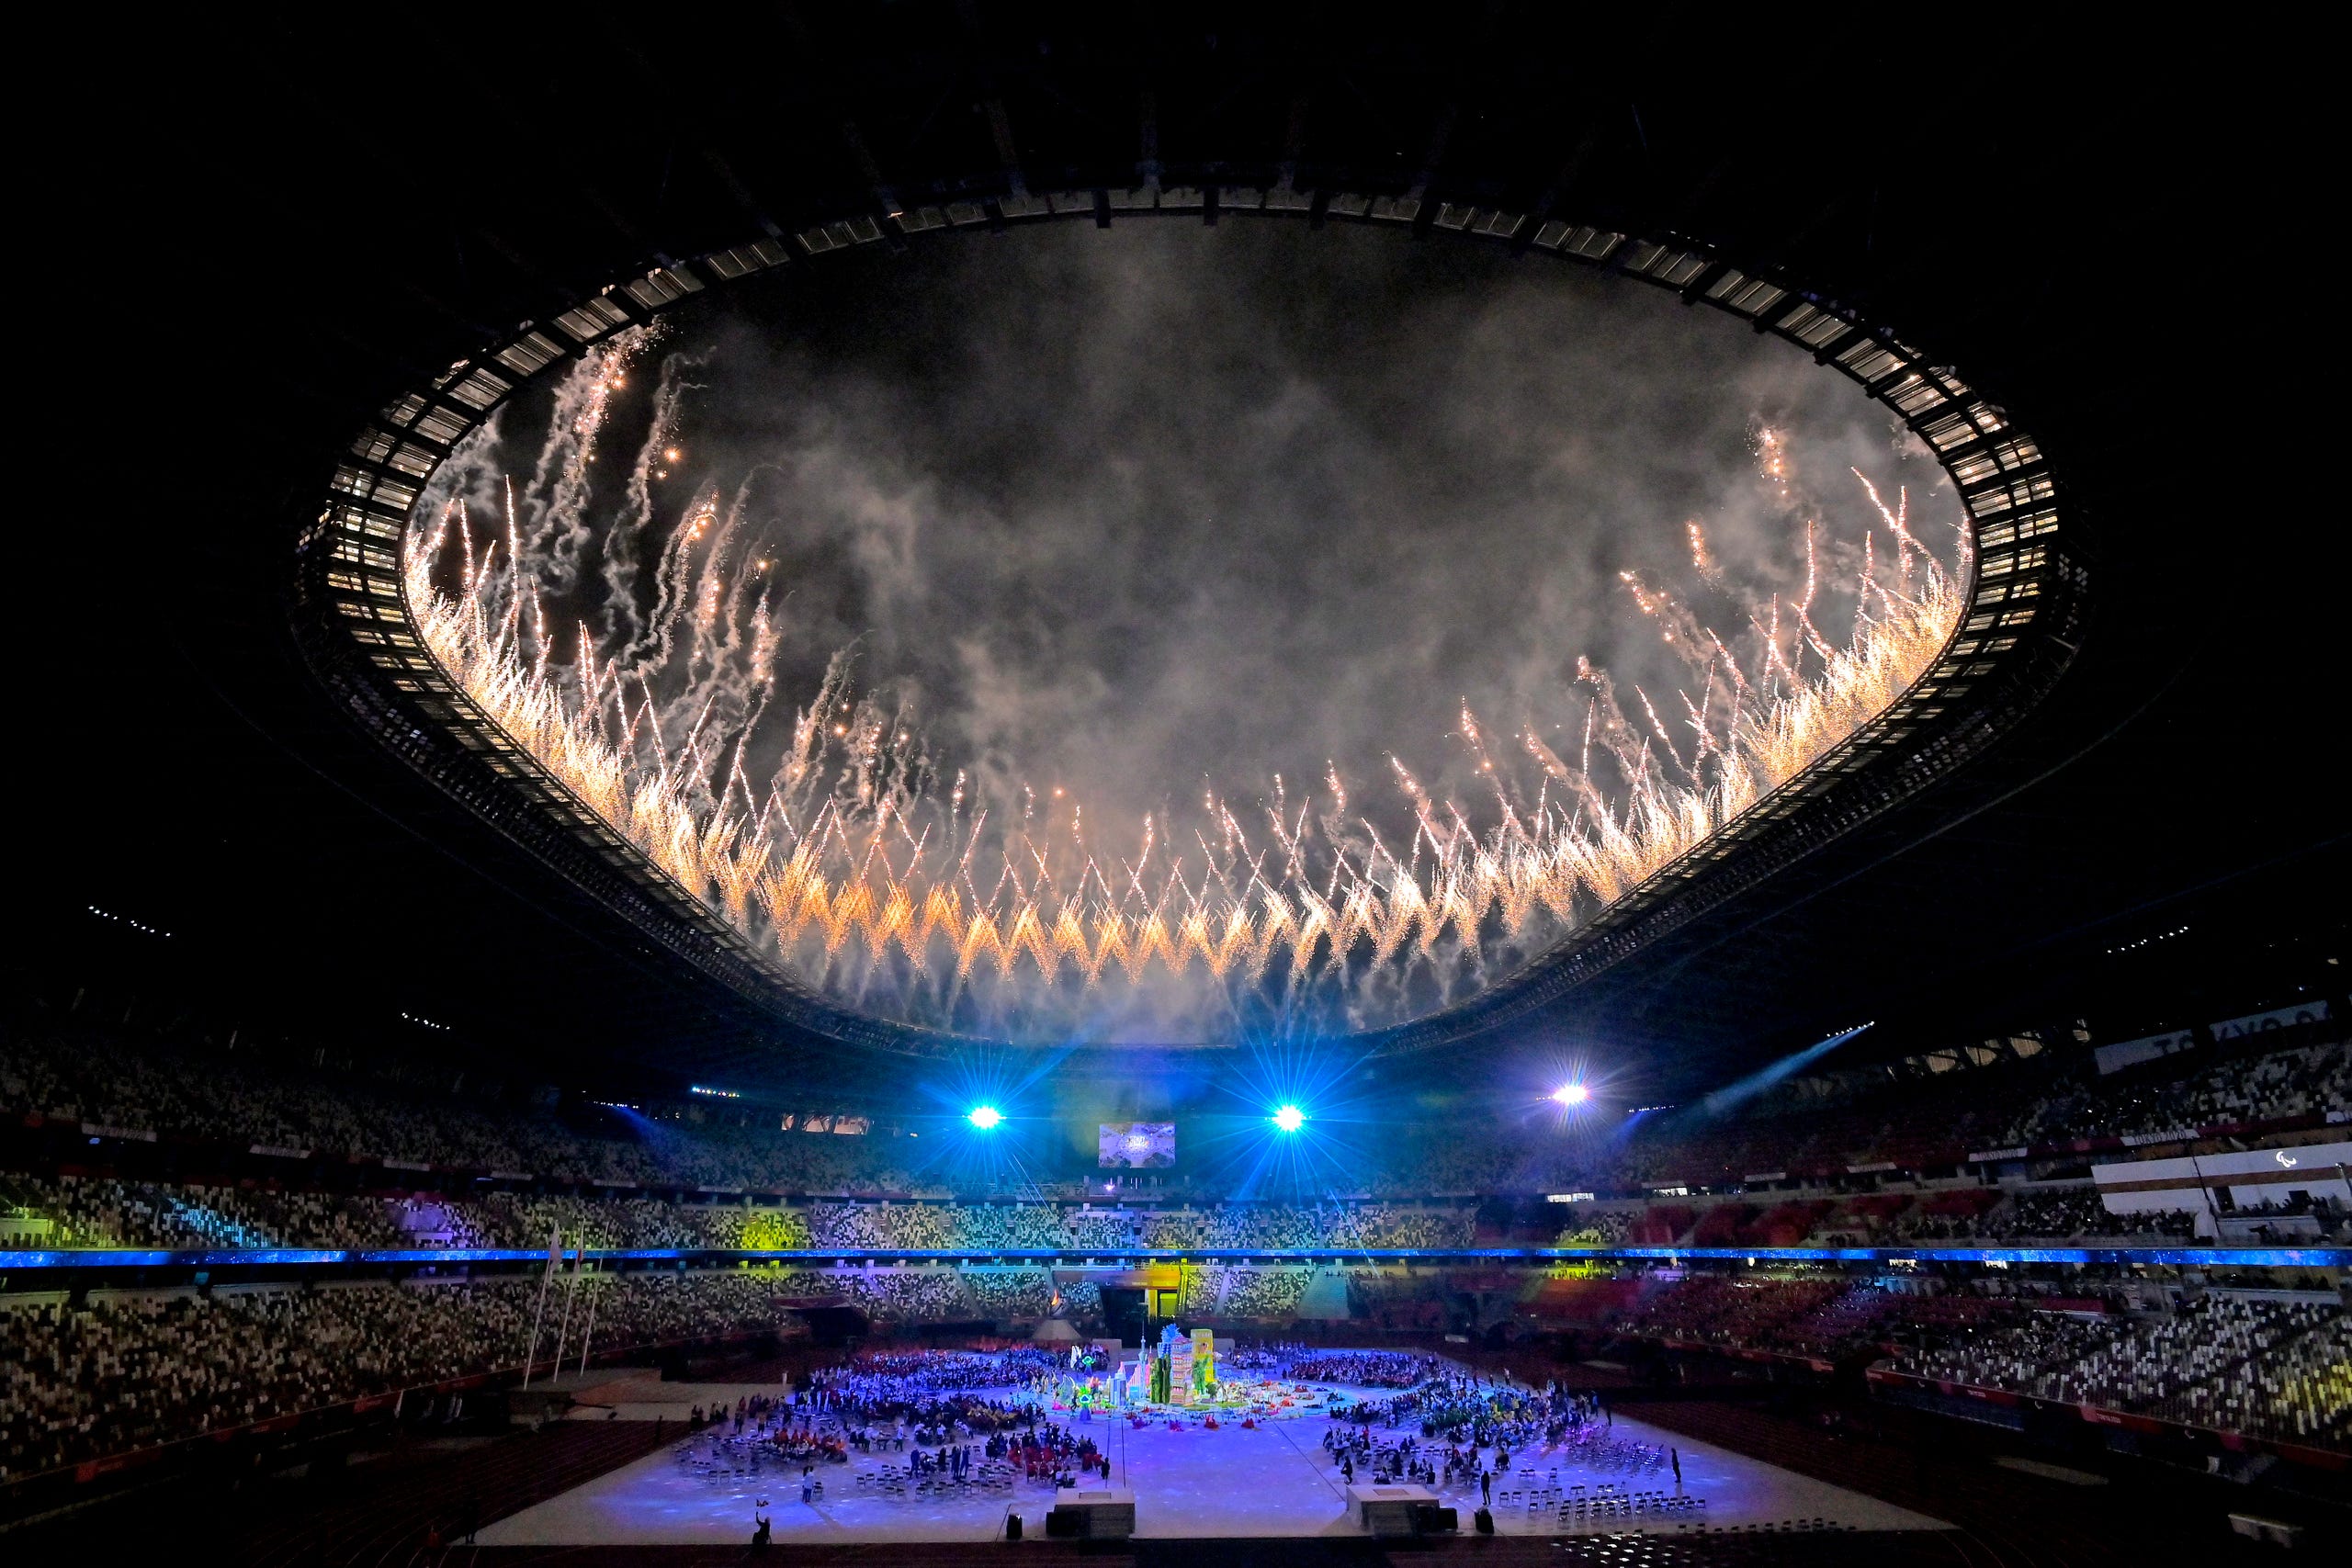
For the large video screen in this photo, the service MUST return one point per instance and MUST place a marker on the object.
(1137, 1145)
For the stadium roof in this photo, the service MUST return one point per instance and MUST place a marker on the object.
(337, 236)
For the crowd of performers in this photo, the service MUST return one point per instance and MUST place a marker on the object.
(920, 1404)
(760, 1430)
(1190, 1372)
(1356, 1369)
(886, 1382)
(1041, 1453)
(1464, 1417)
(978, 1420)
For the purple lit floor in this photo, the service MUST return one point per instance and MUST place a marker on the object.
(1273, 1480)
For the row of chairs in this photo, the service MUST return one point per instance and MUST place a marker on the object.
(1550, 1491)
(988, 1477)
(710, 1470)
(1635, 1505)
(1612, 1457)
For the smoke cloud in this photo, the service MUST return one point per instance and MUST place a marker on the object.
(1136, 524)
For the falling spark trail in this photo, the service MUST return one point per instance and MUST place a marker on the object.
(1324, 924)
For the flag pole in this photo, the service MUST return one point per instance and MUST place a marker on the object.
(570, 1283)
(588, 1333)
(538, 1314)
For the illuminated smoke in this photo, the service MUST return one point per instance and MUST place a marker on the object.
(824, 824)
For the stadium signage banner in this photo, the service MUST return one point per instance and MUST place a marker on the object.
(2147, 1048)
(2250, 1177)
(277, 1151)
(131, 1135)
(1982, 1156)
(2315, 1011)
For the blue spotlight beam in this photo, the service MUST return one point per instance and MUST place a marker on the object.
(1733, 1096)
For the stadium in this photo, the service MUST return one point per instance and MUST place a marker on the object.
(974, 782)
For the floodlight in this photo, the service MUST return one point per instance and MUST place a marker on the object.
(1572, 1094)
(1290, 1118)
(984, 1117)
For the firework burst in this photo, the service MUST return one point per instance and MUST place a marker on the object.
(871, 872)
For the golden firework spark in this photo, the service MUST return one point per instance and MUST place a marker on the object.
(895, 896)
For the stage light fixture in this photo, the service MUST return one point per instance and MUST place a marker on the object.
(1572, 1094)
(984, 1117)
(1290, 1118)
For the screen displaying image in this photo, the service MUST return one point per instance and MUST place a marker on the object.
(1137, 1145)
